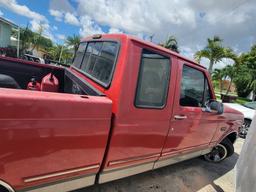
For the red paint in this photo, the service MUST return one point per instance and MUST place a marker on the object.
(50, 83)
(33, 85)
(44, 133)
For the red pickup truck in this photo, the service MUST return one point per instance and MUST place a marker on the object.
(124, 107)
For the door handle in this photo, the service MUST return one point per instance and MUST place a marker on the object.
(180, 117)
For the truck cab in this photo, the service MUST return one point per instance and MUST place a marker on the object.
(124, 107)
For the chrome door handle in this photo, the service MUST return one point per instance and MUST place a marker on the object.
(180, 117)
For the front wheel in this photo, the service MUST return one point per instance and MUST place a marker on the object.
(220, 152)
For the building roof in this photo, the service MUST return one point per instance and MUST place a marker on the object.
(8, 22)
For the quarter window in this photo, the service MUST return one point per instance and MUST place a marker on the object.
(194, 88)
(153, 80)
(79, 55)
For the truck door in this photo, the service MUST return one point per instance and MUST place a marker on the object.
(191, 128)
(142, 123)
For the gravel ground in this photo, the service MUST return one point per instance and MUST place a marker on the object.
(188, 176)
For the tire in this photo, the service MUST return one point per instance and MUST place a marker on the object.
(220, 151)
(244, 129)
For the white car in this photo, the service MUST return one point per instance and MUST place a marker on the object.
(248, 109)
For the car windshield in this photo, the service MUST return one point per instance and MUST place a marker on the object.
(251, 105)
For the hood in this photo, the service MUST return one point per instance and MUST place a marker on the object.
(247, 112)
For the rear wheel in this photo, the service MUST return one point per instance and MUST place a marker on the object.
(244, 129)
(220, 152)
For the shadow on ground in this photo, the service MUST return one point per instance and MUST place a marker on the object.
(188, 176)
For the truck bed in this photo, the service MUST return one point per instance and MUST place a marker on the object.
(51, 132)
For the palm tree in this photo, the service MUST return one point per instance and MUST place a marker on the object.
(218, 75)
(215, 52)
(73, 41)
(37, 38)
(171, 43)
(229, 71)
(26, 36)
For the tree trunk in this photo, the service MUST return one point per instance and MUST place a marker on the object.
(229, 86)
(210, 66)
(220, 82)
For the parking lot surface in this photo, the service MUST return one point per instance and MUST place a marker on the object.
(188, 176)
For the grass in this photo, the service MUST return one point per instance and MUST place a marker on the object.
(239, 100)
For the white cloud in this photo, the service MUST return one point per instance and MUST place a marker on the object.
(21, 10)
(55, 28)
(71, 19)
(114, 30)
(1, 13)
(61, 36)
(36, 21)
(58, 15)
(89, 27)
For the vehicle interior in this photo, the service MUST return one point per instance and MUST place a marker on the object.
(18, 74)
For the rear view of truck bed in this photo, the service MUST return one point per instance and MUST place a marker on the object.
(51, 136)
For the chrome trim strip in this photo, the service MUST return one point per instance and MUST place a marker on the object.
(124, 172)
(60, 173)
(178, 158)
(133, 159)
(66, 186)
(7, 186)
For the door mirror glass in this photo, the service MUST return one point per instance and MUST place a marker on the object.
(215, 106)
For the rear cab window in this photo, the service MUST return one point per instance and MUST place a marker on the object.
(97, 59)
(153, 80)
(195, 91)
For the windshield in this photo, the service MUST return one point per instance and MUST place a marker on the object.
(97, 60)
(251, 105)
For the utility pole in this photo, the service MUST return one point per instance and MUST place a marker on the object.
(18, 43)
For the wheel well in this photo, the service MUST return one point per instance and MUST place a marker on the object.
(232, 137)
(246, 119)
(5, 187)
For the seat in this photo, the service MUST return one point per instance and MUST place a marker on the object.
(7, 81)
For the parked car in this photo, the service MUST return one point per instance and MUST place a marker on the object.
(248, 110)
(33, 58)
(124, 107)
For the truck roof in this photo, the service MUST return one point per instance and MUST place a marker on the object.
(147, 43)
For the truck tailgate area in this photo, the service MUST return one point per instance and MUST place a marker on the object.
(48, 136)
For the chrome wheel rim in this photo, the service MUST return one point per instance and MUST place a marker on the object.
(244, 129)
(218, 153)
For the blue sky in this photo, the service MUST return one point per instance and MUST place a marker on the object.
(190, 21)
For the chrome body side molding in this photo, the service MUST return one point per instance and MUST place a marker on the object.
(175, 159)
(65, 186)
(60, 173)
(113, 174)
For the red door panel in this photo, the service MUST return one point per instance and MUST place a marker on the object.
(190, 127)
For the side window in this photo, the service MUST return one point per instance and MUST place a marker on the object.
(153, 80)
(194, 88)
(79, 55)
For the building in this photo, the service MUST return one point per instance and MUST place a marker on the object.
(6, 27)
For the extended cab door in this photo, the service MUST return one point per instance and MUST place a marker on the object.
(142, 123)
(191, 128)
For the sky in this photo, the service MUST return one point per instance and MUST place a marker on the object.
(190, 21)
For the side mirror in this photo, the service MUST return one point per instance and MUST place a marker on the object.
(216, 106)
